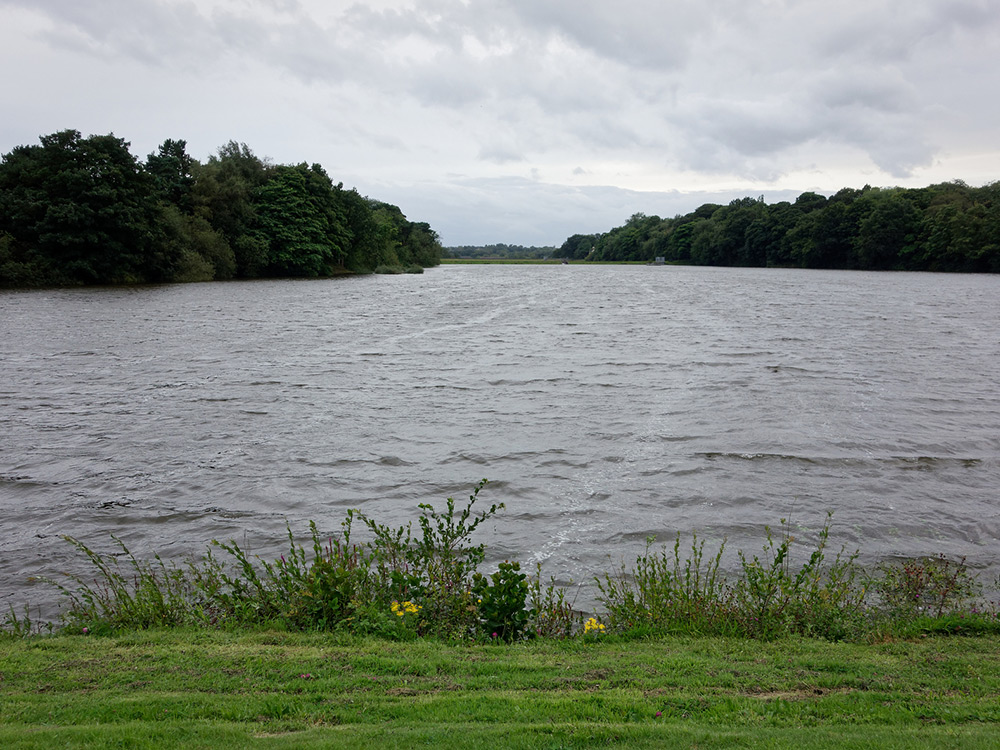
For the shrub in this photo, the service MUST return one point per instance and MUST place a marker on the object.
(817, 599)
(435, 566)
(666, 592)
(408, 582)
(550, 615)
(500, 602)
(925, 587)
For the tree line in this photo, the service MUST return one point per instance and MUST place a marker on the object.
(77, 210)
(944, 227)
(501, 250)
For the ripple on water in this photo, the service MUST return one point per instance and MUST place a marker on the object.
(608, 404)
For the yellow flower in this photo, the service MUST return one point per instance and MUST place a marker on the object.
(405, 608)
(592, 626)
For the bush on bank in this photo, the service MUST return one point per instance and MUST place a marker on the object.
(406, 583)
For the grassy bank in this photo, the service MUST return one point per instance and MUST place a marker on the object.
(408, 637)
(203, 688)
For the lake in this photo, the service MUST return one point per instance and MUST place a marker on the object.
(606, 404)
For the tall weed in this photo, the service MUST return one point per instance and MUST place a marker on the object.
(669, 592)
(817, 599)
(932, 587)
(551, 615)
(434, 566)
(139, 594)
(666, 591)
(406, 582)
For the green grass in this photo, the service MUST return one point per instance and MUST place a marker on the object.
(242, 652)
(202, 688)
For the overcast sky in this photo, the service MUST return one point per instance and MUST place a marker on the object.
(525, 121)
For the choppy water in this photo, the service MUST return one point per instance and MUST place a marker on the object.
(605, 404)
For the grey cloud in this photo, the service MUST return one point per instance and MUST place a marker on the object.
(864, 92)
(741, 90)
(894, 31)
(500, 154)
(646, 33)
(527, 212)
(153, 33)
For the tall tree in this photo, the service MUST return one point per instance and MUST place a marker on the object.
(82, 208)
(224, 195)
(171, 169)
(888, 232)
(299, 215)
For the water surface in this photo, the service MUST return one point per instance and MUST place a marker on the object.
(605, 404)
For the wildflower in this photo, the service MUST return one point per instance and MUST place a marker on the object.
(405, 608)
(86, 630)
(593, 626)
(659, 714)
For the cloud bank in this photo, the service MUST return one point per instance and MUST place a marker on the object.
(523, 121)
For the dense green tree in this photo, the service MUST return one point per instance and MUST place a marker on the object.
(745, 233)
(679, 246)
(224, 195)
(202, 253)
(821, 239)
(297, 212)
(809, 202)
(887, 234)
(422, 244)
(944, 227)
(706, 239)
(401, 243)
(81, 210)
(578, 246)
(171, 169)
(637, 240)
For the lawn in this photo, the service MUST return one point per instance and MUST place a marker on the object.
(217, 689)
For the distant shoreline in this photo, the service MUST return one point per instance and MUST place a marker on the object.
(538, 262)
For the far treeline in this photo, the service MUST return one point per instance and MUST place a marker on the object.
(501, 251)
(945, 227)
(77, 210)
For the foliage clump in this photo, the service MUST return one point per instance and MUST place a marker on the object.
(426, 581)
(83, 210)
(949, 226)
(403, 583)
(670, 592)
